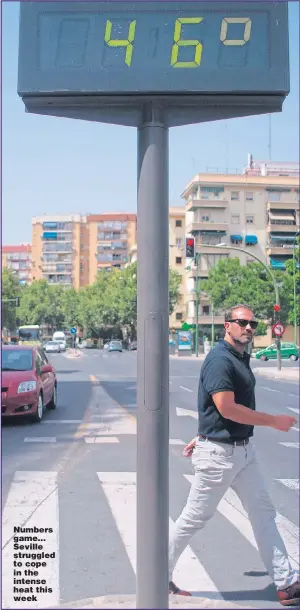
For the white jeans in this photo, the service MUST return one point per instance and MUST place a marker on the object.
(219, 466)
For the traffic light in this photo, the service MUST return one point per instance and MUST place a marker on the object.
(276, 307)
(190, 247)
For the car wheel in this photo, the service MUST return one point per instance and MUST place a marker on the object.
(264, 358)
(38, 416)
(293, 358)
(53, 402)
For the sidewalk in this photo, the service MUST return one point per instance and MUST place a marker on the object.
(129, 601)
(74, 353)
(192, 357)
(286, 374)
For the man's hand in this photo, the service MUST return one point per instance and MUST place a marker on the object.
(189, 448)
(283, 422)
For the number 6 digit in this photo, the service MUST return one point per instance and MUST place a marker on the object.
(178, 42)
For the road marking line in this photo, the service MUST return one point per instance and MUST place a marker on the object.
(293, 445)
(270, 389)
(61, 421)
(40, 439)
(101, 439)
(294, 409)
(120, 491)
(32, 501)
(176, 441)
(294, 395)
(290, 483)
(186, 412)
(295, 429)
(231, 508)
(184, 388)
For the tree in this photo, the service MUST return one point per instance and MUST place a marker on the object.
(230, 283)
(10, 290)
(41, 303)
(293, 270)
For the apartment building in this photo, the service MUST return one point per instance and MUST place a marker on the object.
(59, 249)
(110, 238)
(69, 250)
(18, 259)
(257, 210)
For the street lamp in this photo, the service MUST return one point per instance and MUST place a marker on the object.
(223, 245)
(294, 288)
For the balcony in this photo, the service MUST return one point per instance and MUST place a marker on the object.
(206, 320)
(283, 226)
(196, 204)
(288, 207)
(201, 273)
(208, 227)
(210, 248)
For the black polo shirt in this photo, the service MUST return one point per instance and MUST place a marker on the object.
(225, 369)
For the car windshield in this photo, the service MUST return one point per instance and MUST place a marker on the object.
(52, 343)
(115, 342)
(16, 360)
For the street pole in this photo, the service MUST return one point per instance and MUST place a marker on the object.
(153, 361)
(197, 305)
(268, 270)
(294, 289)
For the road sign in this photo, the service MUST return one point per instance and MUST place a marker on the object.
(73, 331)
(278, 329)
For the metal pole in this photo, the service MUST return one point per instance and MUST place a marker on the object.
(153, 361)
(294, 287)
(197, 307)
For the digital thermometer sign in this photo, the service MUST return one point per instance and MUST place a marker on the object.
(138, 48)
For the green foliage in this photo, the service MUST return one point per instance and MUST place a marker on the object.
(230, 283)
(10, 290)
(293, 271)
(109, 303)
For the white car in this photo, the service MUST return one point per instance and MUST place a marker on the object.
(63, 344)
(53, 347)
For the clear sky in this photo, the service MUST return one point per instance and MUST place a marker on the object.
(52, 165)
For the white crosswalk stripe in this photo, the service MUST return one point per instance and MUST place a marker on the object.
(33, 501)
(290, 483)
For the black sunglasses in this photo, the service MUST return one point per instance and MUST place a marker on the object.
(243, 323)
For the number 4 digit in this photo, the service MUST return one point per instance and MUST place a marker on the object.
(121, 43)
(178, 42)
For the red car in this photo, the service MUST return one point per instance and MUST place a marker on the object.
(28, 382)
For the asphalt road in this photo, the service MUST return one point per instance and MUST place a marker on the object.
(75, 473)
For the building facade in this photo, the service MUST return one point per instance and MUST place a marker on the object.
(110, 239)
(18, 260)
(257, 210)
(58, 249)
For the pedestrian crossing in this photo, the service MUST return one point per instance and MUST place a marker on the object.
(35, 502)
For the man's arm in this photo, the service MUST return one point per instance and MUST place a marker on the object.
(229, 409)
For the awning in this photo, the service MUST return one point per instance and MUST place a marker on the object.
(277, 263)
(236, 237)
(281, 216)
(251, 239)
(283, 237)
(212, 231)
(51, 235)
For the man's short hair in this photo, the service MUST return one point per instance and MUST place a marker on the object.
(229, 312)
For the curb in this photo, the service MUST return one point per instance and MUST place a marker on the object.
(293, 376)
(129, 601)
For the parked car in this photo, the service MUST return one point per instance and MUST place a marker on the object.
(29, 382)
(53, 347)
(287, 351)
(115, 346)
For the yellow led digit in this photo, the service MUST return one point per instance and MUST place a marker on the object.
(247, 31)
(121, 43)
(178, 42)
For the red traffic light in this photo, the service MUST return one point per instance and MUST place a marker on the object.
(276, 307)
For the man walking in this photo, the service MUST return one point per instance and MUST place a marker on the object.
(223, 455)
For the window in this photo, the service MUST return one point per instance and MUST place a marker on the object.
(178, 260)
(235, 195)
(178, 223)
(250, 220)
(178, 242)
(204, 218)
(205, 310)
(274, 196)
(179, 316)
(235, 219)
(249, 196)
